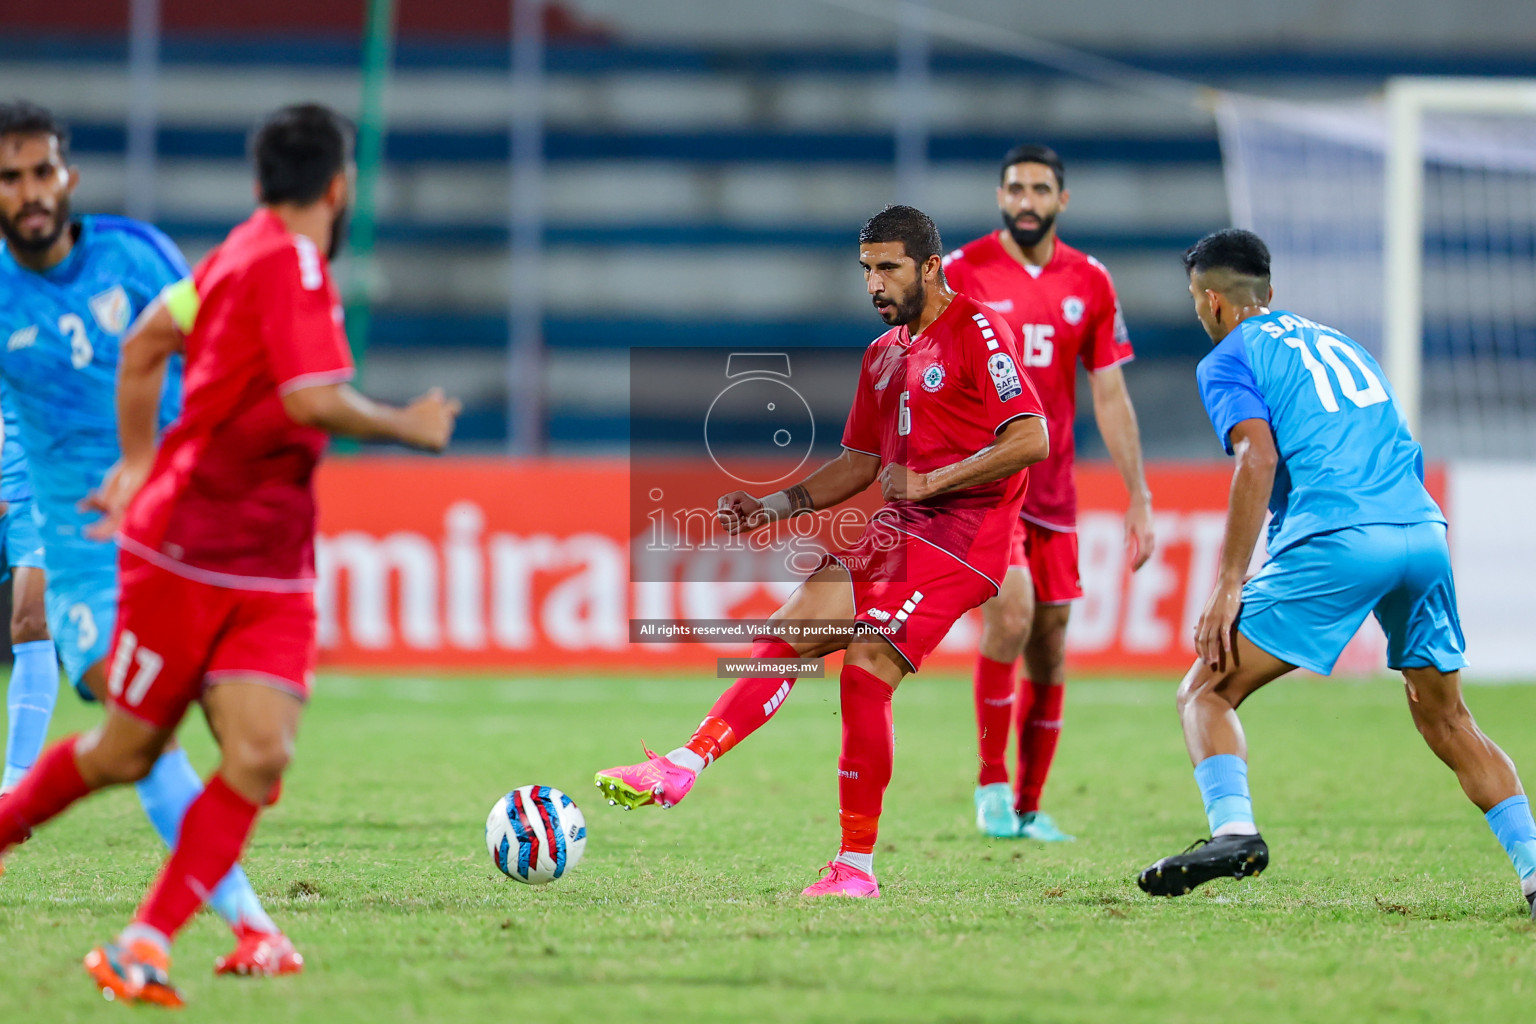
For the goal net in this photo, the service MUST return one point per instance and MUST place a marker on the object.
(1409, 223)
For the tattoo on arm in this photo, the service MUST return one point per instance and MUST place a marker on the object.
(799, 500)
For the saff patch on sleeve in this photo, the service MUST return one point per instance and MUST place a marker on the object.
(1005, 376)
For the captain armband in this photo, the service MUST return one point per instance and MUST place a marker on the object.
(182, 302)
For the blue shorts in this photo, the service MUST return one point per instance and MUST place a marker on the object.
(82, 612)
(1309, 600)
(23, 544)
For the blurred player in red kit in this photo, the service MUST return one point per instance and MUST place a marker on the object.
(945, 420)
(217, 563)
(1062, 307)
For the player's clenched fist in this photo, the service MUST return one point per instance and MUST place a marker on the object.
(429, 420)
(898, 483)
(740, 512)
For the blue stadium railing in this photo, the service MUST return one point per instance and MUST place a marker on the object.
(736, 146)
(424, 330)
(1205, 65)
(672, 234)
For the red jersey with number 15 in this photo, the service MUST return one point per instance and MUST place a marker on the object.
(937, 399)
(1062, 313)
(230, 500)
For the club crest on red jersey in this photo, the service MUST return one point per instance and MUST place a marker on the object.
(1072, 310)
(933, 377)
(1005, 376)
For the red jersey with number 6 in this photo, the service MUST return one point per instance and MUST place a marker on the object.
(932, 400)
(230, 500)
(1063, 312)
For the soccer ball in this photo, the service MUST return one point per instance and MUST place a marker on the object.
(536, 834)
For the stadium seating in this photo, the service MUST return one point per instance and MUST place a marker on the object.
(695, 195)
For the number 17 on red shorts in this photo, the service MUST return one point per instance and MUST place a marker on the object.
(177, 636)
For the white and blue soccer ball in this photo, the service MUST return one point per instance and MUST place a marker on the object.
(536, 834)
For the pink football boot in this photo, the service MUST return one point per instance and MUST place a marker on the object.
(843, 880)
(656, 781)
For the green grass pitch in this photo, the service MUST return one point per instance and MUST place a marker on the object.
(1387, 898)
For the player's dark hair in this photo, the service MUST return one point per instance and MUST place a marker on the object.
(1234, 249)
(21, 117)
(908, 225)
(298, 150)
(1034, 154)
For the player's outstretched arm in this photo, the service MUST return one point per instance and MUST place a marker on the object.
(1116, 416)
(343, 411)
(834, 483)
(154, 337)
(1021, 443)
(146, 351)
(1253, 445)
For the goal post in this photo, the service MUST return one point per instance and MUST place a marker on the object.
(1408, 220)
(1408, 100)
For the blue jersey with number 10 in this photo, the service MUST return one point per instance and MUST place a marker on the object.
(1346, 456)
(59, 336)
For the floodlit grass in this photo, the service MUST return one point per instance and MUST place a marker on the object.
(1387, 897)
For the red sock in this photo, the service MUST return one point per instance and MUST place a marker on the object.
(994, 709)
(1037, 744)
(869, 748)
(213, 833)
(1023, 701)
(52, 785)
(746, 706)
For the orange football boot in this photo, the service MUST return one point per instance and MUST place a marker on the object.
(137, 973)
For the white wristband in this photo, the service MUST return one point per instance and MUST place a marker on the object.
(776, 505)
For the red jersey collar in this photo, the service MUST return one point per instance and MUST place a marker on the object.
(906, 332)
(997, 240)
(266, 219)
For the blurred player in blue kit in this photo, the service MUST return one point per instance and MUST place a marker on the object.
(69, 290)
(34, 686)
(1320, 439)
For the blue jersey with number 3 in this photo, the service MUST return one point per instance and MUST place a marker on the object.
(59, 336)
(1346, 456)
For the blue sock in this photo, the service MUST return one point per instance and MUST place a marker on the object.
(166, 793)
(29, 702)
(1223, 782)
(1516, 831)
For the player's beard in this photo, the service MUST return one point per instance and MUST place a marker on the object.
(1028, 238)
(339, 225)
(38, 243)
(907, 310)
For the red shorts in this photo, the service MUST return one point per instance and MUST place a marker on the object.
(1051, 558)
(176, 636)
(909, 590)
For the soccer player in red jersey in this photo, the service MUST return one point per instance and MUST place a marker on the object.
(946, 422)
(1062, 307)
(217, 560)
